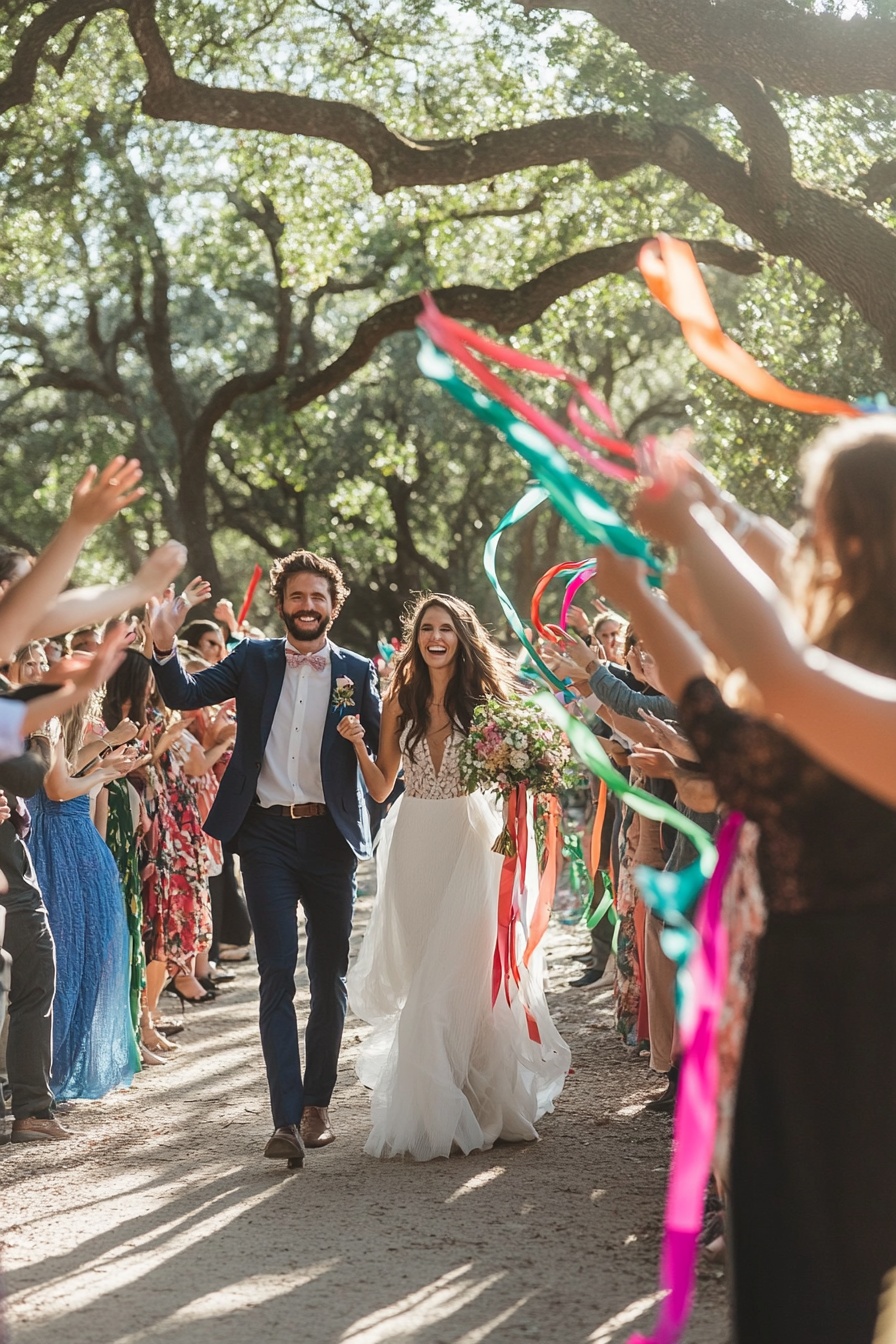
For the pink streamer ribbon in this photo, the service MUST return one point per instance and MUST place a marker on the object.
(460, 342)
(696, 1104)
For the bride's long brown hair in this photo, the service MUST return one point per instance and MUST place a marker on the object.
(481, 669)
(850, 474)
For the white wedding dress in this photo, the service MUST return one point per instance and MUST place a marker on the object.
(448, 1071)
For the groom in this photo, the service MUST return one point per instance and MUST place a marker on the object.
(291, 804)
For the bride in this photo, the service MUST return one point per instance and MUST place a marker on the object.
(448, 1071)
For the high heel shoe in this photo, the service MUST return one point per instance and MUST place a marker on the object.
(171, 988)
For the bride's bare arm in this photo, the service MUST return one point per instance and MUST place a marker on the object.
(379, 775)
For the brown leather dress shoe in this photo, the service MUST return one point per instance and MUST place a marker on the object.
(34, 1130)
(286, 1142)
(315, 1127)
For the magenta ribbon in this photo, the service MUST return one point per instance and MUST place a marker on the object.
(585, 573)
(696, 1104)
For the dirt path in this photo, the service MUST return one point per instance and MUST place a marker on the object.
(161, 1222)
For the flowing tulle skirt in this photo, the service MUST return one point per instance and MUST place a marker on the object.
(93, 1041)
(448, 1070)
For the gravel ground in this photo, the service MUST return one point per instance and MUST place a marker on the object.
(162, 1222)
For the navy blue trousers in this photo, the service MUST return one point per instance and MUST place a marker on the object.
(287, 863)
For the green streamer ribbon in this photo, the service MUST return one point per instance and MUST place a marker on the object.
(671, 896)
(532, 497)
(583, 507)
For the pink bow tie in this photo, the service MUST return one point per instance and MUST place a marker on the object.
(317, 660)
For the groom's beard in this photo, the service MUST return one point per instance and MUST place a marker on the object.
(304, 634)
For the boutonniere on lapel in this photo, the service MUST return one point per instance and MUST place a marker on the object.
(343, 695)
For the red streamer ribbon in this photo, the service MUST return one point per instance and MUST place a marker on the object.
(460, 343)
(250, 593)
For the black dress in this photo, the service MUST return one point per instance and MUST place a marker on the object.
(813, 1169)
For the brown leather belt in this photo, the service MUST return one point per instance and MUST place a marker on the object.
(299, 810)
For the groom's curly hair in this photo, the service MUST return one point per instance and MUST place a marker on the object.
(307, 562)
(481, 669)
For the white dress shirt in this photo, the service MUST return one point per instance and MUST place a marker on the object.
(290, 770)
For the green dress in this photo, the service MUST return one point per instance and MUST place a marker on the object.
(122, 841)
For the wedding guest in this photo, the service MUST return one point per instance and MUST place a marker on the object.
(29, 666)
(813, 1167)
(86, 639)
(29, 942)
(93, 1048)
(206, 639)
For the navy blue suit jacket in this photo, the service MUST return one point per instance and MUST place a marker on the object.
(253, 676)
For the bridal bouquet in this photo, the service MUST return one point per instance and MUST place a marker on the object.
(509, 747)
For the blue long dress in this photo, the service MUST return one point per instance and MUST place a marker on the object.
(92, 1034)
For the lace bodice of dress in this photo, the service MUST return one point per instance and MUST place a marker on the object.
(823, 844)
(420, 777)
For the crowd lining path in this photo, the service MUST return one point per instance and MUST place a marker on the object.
(162, 1224)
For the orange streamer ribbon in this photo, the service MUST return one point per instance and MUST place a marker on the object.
(548, 884)
(673, 277)
(597, 830)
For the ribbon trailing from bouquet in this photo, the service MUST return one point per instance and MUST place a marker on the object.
(696, 1102)
(547, 884)
(673, 277)
(513, 843)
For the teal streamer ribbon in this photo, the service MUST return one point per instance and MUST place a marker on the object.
(583, 507)
(671, 896)
(531, 498)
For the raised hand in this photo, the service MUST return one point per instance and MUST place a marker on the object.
(560, 663)
(578, 620)
(158, 570)
(622, 578)
(197, 591)
(224, 612)
(5, 810)
(577, 651)
(98, 496)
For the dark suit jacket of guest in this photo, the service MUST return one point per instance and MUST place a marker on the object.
(253, 676)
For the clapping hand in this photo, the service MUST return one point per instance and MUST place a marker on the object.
(123, 732)
(668, 738)
(653, 762)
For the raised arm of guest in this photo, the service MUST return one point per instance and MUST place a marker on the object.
(96, 499)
